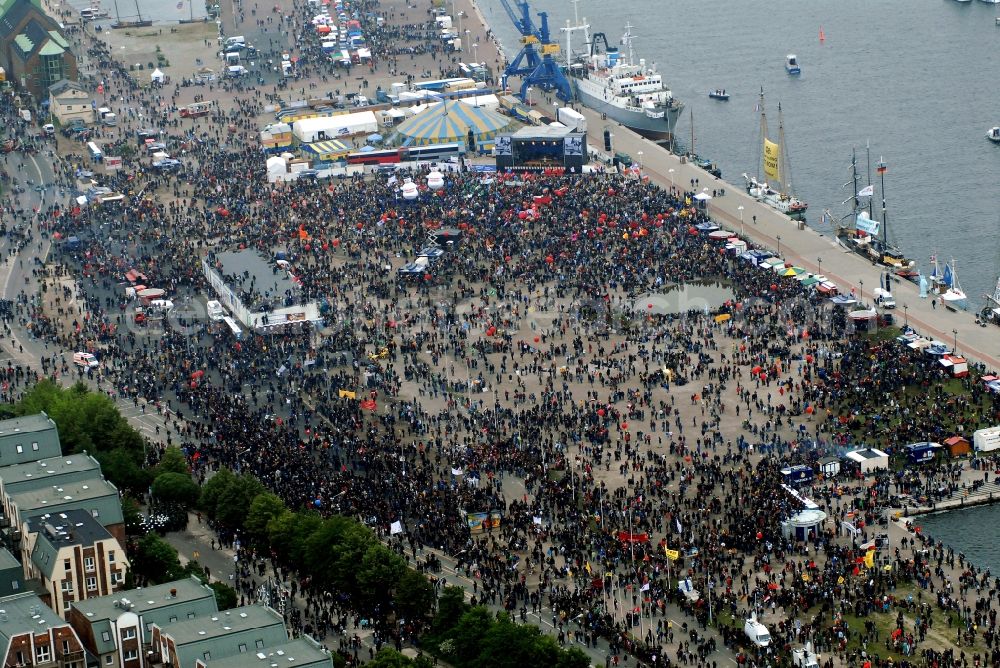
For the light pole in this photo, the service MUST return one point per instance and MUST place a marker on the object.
(819, 262)
(528, 93)
(906, 316)
(955, 334)
(740, 209)
(639, 155)
(861, 295)
(779, 245)
(670, 175)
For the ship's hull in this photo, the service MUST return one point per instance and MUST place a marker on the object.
(658, 129)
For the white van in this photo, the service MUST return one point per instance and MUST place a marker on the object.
(215, 310)
(85, 360)
(884, 298)
(238, 39)
(757, 632)
(161, 305)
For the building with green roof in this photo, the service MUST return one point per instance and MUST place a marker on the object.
(302, 652)
(240, 631)
(33, 50)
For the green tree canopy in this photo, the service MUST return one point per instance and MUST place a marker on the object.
(414, 595)
(176, 488)
(225, 596)
(156, 560)
(264, 508)
(173, 461)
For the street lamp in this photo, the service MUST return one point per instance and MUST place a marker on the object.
(819, 262)
(955, 334)
(528, 94)
(639, 155)
(861, 296)
(906, 316)
(779, 245)
(740, 209)
(670, 175)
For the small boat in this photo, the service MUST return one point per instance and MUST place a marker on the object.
(994, 135)
(719, 94)
(777, 192)
(991, 2)
(792, 64)
(945, 283)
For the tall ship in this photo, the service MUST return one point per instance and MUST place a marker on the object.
(614, 84)
(776, 189)
(861, 232)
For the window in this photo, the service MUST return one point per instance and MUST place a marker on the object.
(260, 643)
(173, 619)
(128, 633)
(20, 449)
(95, 513)
(131, 654)
(111, 557)
(88, 564)
(208, 656)
(190, 615)
(116, 577)
(67, 586)
(109, 659)
(15, 585)
(20, 658)
(67, 565)
(43, 653)
(243, 648)
(106, 636)
(91, 584)
(34, 446)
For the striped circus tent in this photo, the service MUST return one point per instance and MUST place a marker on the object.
(329, 149)
(450, 122)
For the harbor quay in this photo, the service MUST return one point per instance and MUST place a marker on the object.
(530, 420)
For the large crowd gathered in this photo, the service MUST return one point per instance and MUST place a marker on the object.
(527, 376)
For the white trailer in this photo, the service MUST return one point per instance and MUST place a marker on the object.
(572, 118)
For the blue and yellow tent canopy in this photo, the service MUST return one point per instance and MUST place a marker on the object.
(324, 150)
(450, 122)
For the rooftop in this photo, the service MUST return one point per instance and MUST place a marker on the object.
(248, 271)
(544, 132)
(57, 497)
(223, 623)
(44, 469)
(25, 613)
(867, 453)
(8, 561)
(143, 599)
(65, 529)
(299, 652)
(26, 424)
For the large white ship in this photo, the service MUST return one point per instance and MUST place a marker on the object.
(631, 93)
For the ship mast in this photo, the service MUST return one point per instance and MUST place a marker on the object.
(569, 29)
(763, 132)
(785, 171)
(881, 168)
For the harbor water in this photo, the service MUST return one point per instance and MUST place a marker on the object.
(908, 78)
(953, 527)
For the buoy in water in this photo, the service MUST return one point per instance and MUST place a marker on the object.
(822, 37)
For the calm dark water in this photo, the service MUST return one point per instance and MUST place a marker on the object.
(906, 76)
(953, 527)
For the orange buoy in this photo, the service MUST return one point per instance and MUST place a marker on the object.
(822, 37)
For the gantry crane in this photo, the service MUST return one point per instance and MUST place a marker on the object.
(540, 69)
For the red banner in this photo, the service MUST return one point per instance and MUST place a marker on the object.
(626, 537)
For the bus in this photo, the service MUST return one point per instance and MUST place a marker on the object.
(233, 327)
(445, 85)
(95, 152)
(196, 109)
(429, 153)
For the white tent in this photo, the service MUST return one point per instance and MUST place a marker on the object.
(157, 76)
(869, 459)
(277, 169)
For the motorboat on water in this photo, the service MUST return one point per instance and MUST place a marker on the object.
(991, 2)
(994, 135)
(792, 64)
(719, 94)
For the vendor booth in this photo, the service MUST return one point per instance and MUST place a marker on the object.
(958, 446)
(829, 466)
(869, 459)
(921, 453)
(986, 440)
(804, 525)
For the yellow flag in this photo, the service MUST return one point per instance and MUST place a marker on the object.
(805, 577)
(870, 559)
(772, 154)
(840, 580)
(587, 566)
(672, 555)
